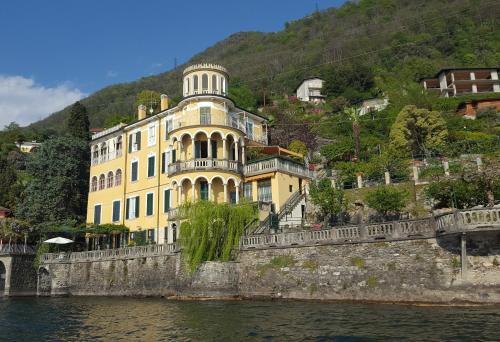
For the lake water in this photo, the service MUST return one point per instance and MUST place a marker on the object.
(136, 319)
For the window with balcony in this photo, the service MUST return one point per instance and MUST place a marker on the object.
(205, 116)
(264, 192)
(201, 149)
(134, 172)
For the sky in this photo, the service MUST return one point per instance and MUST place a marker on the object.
(56, 52)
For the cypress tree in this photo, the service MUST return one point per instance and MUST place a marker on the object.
(78, 122)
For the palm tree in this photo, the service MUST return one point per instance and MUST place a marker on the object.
(353, 114)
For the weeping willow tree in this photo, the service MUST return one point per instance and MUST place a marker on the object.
(212, 231)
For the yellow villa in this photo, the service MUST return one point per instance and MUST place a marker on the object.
(197, 150)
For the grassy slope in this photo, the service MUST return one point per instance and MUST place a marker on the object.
(382, 33)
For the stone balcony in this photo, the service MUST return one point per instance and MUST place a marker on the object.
(275, 164)
(107, 157)
(204, 164)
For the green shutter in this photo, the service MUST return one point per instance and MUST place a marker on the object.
(138, 140)
(151, 166)
(166, 201)
(130, 143)
(163, 162)
(127, 207)
(97, 214)
(134, 171)
(116, 211)
(137, 206)
(149, 204)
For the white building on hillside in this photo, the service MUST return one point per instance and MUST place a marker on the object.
(310, 90)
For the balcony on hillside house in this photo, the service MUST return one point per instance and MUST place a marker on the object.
(277, 164)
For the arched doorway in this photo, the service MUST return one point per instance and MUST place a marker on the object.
(3, 275)
(44, 282)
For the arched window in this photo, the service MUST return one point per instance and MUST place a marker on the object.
(93, 184)
(204, 82)
(102, 182)
(223, 85)
(214, 84)
(95, 152)
(118, 177)
(187, 85)
(195, 83)
(110, 179)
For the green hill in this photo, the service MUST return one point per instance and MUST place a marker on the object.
(362, 49)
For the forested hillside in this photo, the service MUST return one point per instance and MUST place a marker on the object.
(363, 49)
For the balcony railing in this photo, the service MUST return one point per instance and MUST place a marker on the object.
(277, 164)
(107, 157)
(203, 164)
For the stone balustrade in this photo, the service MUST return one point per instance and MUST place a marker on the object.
(277, 164)
(107, 254)
(16, 249)
(449, 223)
(203, 164)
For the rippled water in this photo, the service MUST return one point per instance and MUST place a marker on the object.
(126, 319)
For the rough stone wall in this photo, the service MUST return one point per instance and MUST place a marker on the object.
(144, 276)
(418, 270)
(427, 270)
(20, 276)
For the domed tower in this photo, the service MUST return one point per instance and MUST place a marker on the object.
(205, 78)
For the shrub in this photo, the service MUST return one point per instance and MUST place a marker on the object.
(387, 200)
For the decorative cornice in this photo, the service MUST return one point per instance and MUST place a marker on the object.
(204, 66)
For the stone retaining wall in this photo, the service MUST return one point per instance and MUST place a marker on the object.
(421, 270)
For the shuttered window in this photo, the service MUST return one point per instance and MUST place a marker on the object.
(166, 201)
(97, 214)
(134, 173)
(163, 159)
(116, 211)
(151, 166)
(149, 204)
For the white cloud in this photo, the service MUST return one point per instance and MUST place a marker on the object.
(24, 101)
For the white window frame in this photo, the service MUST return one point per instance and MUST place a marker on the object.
(146, 204)
(119, 212)
(135, 160)
(152, 135)
(131, 207)
(135, 145)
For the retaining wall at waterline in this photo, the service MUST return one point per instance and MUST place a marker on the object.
(418, 270)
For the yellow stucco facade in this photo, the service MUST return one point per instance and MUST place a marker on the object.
(140, 173)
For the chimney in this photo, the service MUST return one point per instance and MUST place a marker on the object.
(141, 112)
(163, 102)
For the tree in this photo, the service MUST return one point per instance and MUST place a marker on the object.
(298, 146)
(59, 182)
(487, 178)
(353, 114)
(78, 122)
(418, 131)
(341, 150)
(242, 95)
(330, 200)
(149, 98)
(8, 184)
(455, 193)
(387, 200)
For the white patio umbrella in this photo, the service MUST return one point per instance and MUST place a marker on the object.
(58, 241)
